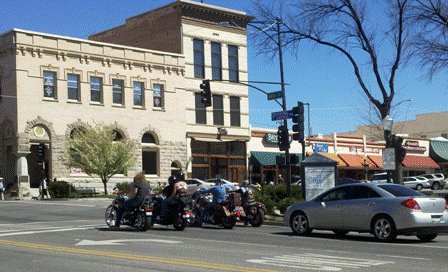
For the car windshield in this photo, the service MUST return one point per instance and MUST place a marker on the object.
(398, 190)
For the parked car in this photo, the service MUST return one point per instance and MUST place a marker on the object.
(194, 184)
(437, 180)
(380, 178)
(385, 210)
(417, 183)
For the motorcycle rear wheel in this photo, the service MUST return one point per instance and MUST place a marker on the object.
(258, 219)
(140, 221)
(180, 223)
(228, 222)
(110, 215)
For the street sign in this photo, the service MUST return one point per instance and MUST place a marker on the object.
(275, 95)
(389, 159)
(281, 115)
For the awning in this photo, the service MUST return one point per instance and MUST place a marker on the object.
(419, 162)
(269, 158)
(353, 160)
(376, 160)
(439, 151)
(331, 156)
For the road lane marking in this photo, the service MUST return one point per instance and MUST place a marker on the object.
(319, 262)
(127, 256)
(47, 230)
(122, 242)
(54, 203)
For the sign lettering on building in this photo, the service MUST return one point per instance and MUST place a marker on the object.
(414, 147)
(320, 147)
(271, 138)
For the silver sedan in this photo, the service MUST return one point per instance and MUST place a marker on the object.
(385, 210)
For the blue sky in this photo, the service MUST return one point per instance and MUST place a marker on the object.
(316, 75)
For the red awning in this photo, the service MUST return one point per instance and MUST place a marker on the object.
(377, 161)
(419, 162)
(353, 160)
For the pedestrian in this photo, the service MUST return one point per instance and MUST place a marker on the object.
(2, 189)
(280, 179)
(44, 189)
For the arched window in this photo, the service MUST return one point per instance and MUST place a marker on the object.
(148, 138)
(118, 136)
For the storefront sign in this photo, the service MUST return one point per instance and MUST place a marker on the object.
(318, 180)
(414, 147)
(360, 149)
(320, 147)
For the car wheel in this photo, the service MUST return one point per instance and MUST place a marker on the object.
(419, 187)
(383, 229)
(427, 237)
(436, 186)
(299, 224)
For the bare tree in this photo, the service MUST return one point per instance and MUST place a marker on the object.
(430, 18)
(371, 35)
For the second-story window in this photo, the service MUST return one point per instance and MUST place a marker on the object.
(201, 113)
(158, 92)
(235, 111)
(216, 61)
(73, 87)
(198, 51)
(50, 84)
(218, 110)
(233, 63)
(117, 91)
(96, 89)
(138, 93)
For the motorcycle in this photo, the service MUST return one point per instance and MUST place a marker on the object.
(251, 212)
(220, 215)
(177, 215)
(138, 217)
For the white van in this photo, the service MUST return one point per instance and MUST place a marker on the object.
(380, 178)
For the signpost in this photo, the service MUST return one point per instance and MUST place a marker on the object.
(275, 95)
(281, 115)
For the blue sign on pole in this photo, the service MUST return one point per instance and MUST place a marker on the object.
(281, 115)
(320, 147)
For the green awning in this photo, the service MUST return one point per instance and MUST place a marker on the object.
(439, 151)
(269, 158)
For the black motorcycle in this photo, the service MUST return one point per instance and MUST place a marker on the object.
(138, 217)
(177, 215)
(251, 212)
(221, 214)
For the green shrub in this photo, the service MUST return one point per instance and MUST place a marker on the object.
(275, 197)
(62, 189)
(123, 186)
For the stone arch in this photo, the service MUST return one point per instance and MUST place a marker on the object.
(75, 125)
(40, 122)
(153, 131)
(122, 130)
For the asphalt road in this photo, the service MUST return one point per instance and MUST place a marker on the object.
(72, 236)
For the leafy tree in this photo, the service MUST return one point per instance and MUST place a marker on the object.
(97, 151)
(373, 36)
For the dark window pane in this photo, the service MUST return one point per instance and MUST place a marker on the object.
(235, 115)
(96, 88)
(216, 61)
(237, 148)
(149, 162)
(233, 63)
(199, 147)
(73, 86)
(200, 173)
(158, 94)
(200, 160)
(218, 110)
(148, 138)
(198, 53)
(49, 84)
(201, 114)
(399, 190)
(138, 93)
(117, 91)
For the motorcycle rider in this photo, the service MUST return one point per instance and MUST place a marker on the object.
(219, 196)
(139, 191)
(175, 188)
(247, 196)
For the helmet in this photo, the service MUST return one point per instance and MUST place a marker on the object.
(245, 183)
(171, 180)
(218, 181)
(180, 176)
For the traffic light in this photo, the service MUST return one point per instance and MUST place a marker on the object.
(283, 137)
(206, 93)
(41, 152)
(298, 123)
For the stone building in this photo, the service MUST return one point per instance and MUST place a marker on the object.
(214, 43)
(144, 78)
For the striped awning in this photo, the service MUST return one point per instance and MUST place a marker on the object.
(331, 156)
(419, 162)
(439, 151)
(352, 160)
(376, 160)
(269, 158)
